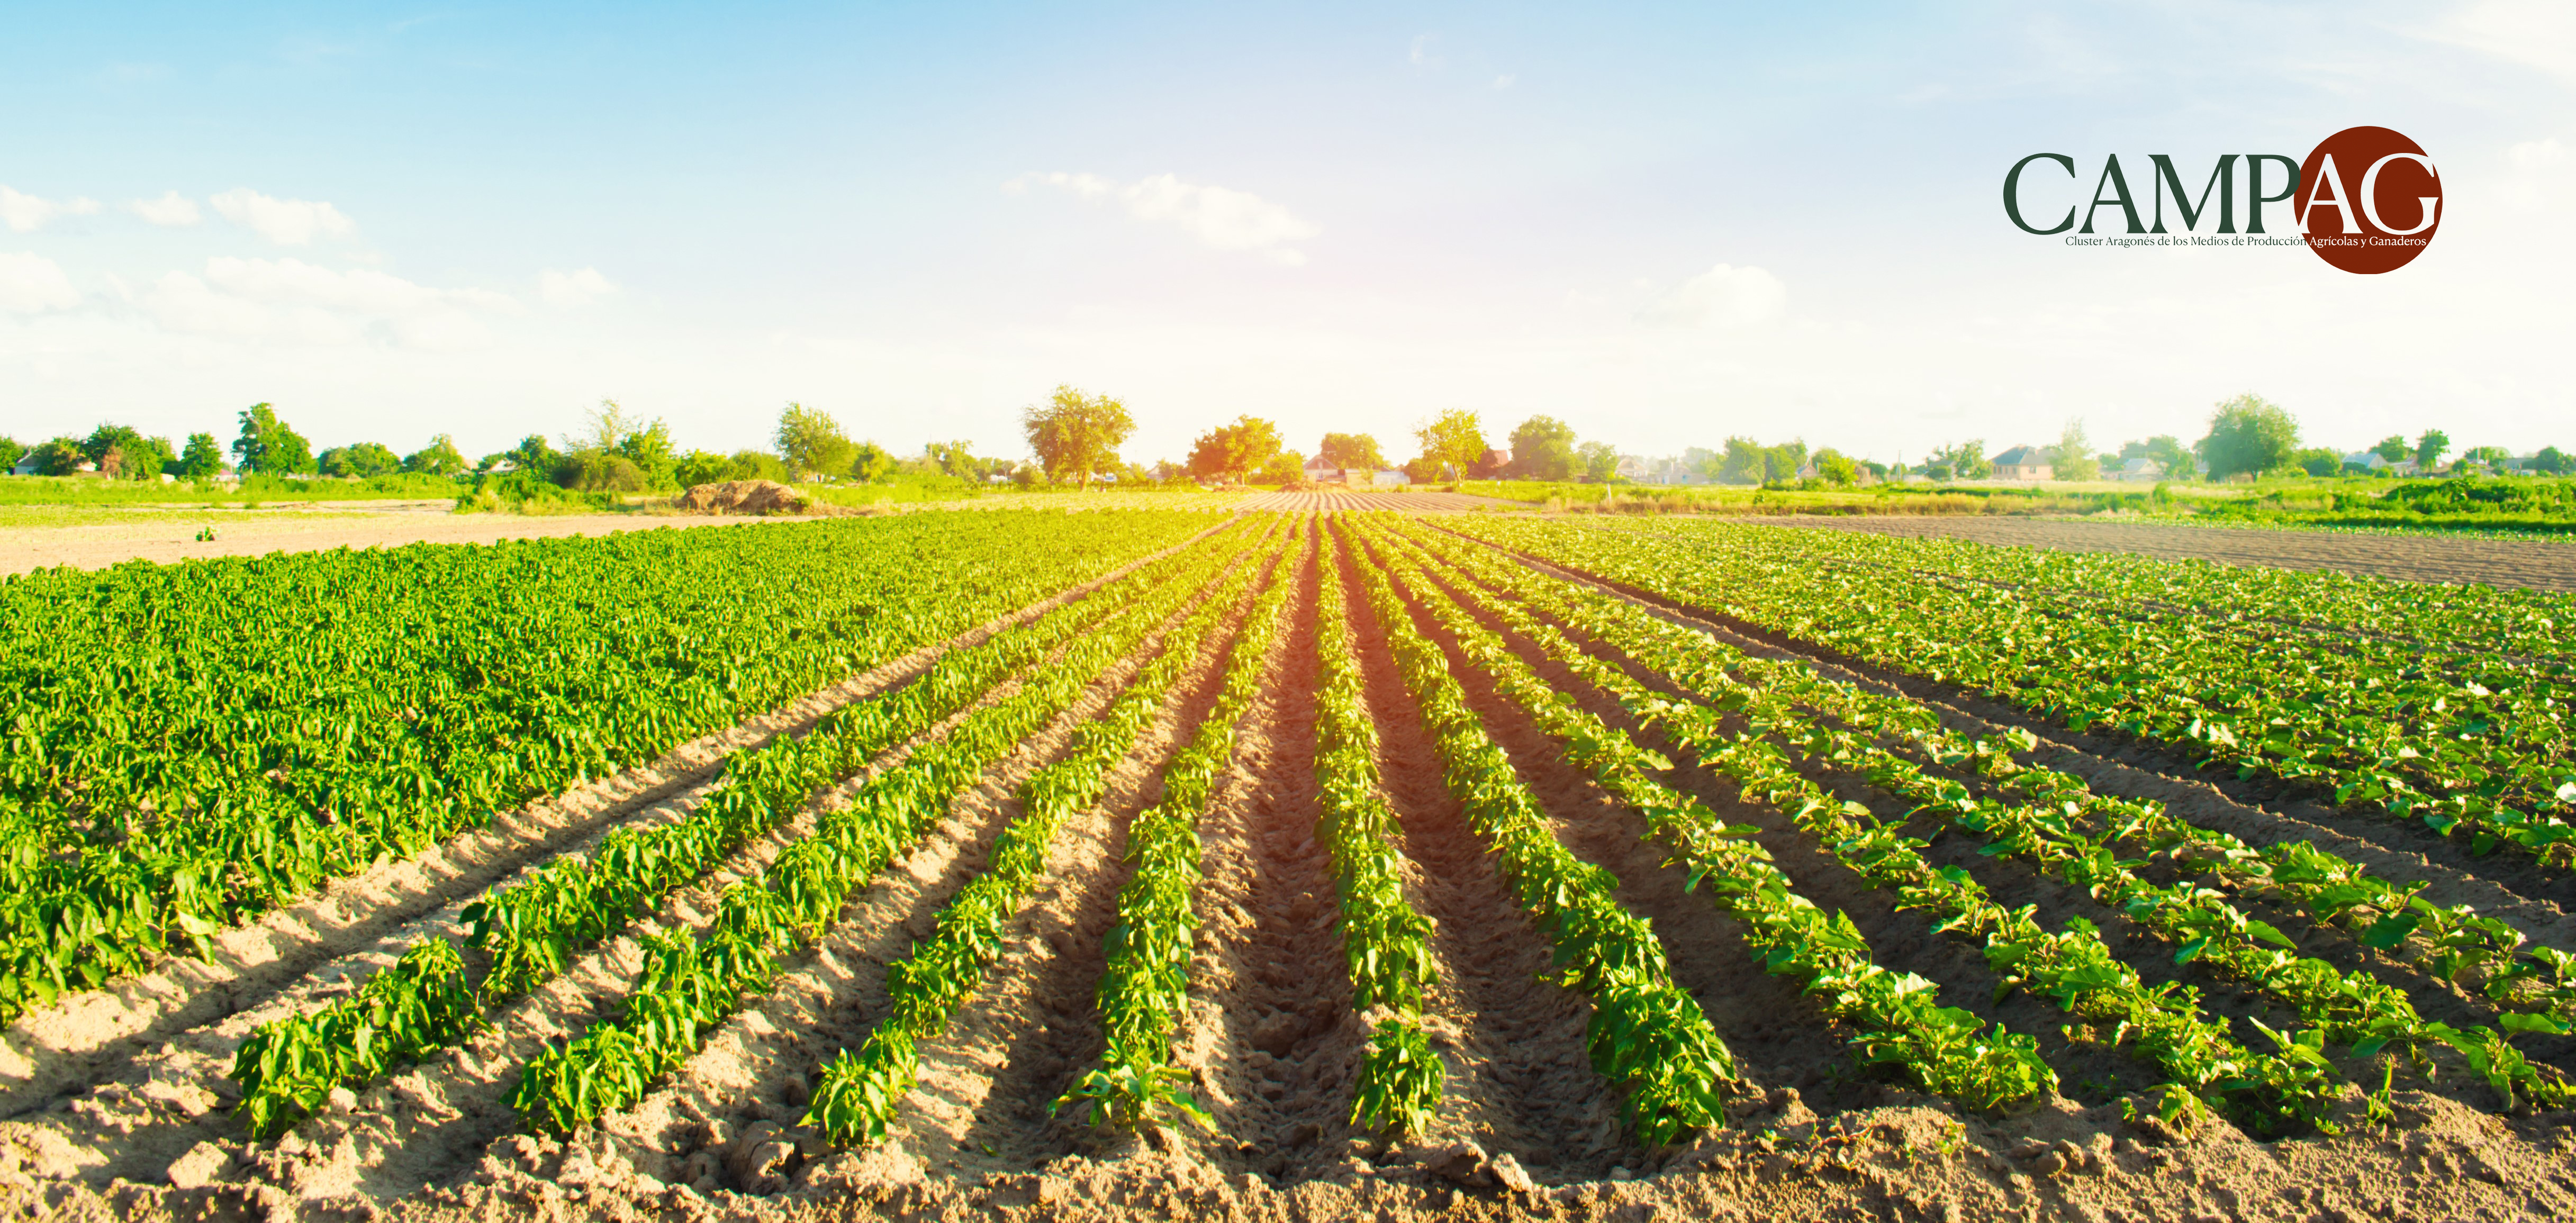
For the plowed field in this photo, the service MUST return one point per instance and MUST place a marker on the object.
(1286, 865)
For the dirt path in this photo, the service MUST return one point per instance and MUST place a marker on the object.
(166, 536)
(1408, 501)
(2537, 564)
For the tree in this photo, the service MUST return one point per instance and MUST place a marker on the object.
(2318, 461)
(1543, 449)
(363, 460)
(1837, 468)
(268, 446)
(1074, 434)
(59, 457)
(1236, 450)
(870, 463)
(1600, 461)
(2430, 448)
(957, 459)
(2554, 461)
(811, 441)
(1284, 468)
(2072, 457)
(438, 458)
(2168, 454)
(10, 453)
(649, 448)
(702, 467)
(125, 454)
(1351, 450)
(2248, 435)
(593, 470)
(1456, 439)
(532, 454)
(2394, 449)
(203, 458)
(2493, 458)
(1745, 462)
(1960, 461)
(756, 465)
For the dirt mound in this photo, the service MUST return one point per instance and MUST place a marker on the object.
(743, 497)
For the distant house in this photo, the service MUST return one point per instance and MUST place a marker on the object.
(26, 465)
(1320, 471)
(1387, 478)
(2375, 463)
(1634, 469)
(1491, 466)
(2140, 468)
(2023, 463)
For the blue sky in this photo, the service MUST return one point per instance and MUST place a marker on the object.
(1664, 224)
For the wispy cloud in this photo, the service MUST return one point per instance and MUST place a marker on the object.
(284, 222)
(573, 288)
(2539, 33)
(290, 301)
(33, 284)
(172, 209)
(1420, 54)
(1724, 297)
(24, 213)
(1218, 217)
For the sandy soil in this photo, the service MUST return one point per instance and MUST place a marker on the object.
(2538, 564)
(165, 536)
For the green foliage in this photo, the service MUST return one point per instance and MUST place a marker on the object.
(361, 460)
(869, 462)
(1237, 450)
(1076, 435)
(1454, 439)
(1960, 461)
(1599, 460)
(10, 452)
(2429, 449)
(1352, 450)
(438, 458)
(811, 441)
(268, 446)
(1543, 449)
(1837, 468)
(61, 456)
(203, 458)
(2248, 435)
(124, 454)
(2072, 457)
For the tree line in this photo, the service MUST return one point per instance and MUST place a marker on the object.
(1076, 437)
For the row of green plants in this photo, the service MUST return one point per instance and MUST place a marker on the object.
(1386, 942)
(1145, 984)
(1897, 1017)
(2452, 942)
(2474, 744)
(183, 746)
(692, 982)
(1647, 1035)
(861, 1092)
(527, 932)
(2497, 619)
(2075, 835)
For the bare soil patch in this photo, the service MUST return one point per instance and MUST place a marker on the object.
(2536, 564)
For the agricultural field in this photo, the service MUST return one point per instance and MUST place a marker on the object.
(1288, 859)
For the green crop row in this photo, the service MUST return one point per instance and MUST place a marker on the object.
(529, 931)
(689, 984)
(1385, 940)
(1900, 1021)
(1144, 986)
(861, 1092)
(2472, 744)
(2201, 1061)
(1646, 1033)
(2352, 1008)
(185, 745)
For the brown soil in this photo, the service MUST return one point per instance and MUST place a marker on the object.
(1410, 501)
(165, 537)
(2537, 564)
(743, 497)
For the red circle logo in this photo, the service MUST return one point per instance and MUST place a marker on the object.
(2368, 200)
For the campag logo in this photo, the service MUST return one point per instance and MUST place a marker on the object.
(2366, 200)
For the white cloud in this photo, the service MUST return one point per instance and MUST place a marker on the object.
(1421, 55)
(1722, 297)
(1504, 81)
(291, 301)
(573, 288)
(25, 213)
(31, 284)
(172, 209)
(2541, 176)
(284, 222)
(1218, 217)
(2540, 33)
